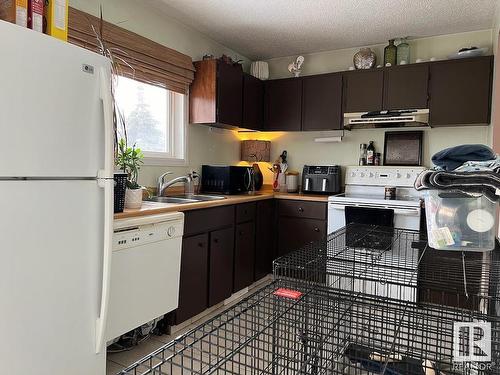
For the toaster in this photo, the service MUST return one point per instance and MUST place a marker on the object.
(321, 179)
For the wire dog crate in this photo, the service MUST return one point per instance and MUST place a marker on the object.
(367, 300)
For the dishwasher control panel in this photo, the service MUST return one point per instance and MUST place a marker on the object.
(141, 235)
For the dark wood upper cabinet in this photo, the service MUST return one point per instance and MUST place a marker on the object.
(322, 102)
(283, 104)
(363, 90)
(220, 283)
(406, 87)
(216, 94)
(460, 91)
(253, 103)
(229, 94)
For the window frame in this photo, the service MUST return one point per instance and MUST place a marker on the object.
(177, 134)
(176, 129)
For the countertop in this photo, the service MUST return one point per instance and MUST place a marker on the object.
(153, 208)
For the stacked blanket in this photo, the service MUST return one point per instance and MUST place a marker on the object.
(471, 169)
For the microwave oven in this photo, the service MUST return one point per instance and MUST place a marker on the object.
(226, 179)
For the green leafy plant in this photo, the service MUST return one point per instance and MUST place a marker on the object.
(129, 160)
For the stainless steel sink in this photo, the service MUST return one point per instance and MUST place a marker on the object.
(200, 197)
(182, 199)
(175, 200)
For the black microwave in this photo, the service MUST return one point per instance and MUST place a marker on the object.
(225, 179)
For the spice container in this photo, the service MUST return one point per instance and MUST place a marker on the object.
(362, 154)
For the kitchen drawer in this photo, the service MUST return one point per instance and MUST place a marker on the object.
(207, 219)
(245, 212)
(308, 210)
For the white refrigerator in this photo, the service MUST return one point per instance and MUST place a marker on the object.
(56, 205)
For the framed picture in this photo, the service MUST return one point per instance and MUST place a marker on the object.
(403, 148)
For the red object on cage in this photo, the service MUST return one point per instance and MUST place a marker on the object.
(288, 293)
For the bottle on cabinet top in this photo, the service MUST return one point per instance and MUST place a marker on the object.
(403, 52)
(390, 53)
(370, 154)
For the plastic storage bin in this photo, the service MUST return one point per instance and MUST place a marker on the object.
(456, 221)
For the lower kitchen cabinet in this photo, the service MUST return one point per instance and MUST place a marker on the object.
(295, 232)
(225, 249)
(300, 223)
(265, 224)
(193, 277)
(220, 283)
(244, 255)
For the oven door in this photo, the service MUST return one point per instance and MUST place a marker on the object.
(404, 217)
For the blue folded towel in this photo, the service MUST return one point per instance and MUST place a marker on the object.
(453, 157)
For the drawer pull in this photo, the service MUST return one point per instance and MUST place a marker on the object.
(200, 244)
(301, 209)
(316, 229)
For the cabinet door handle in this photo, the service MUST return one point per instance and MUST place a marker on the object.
(301, 209)
(216, 240)
(316, 229)
(200, 244)
(241, 233)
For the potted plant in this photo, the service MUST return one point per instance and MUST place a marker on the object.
(129, 160)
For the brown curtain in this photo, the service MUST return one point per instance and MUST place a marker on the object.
(143, 59)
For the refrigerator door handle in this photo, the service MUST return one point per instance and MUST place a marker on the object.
(107, 185)
(109, 131)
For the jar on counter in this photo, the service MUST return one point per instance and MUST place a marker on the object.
(292, 181)
(377, 159)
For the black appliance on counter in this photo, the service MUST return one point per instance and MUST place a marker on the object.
(226, 179)
(321, 179)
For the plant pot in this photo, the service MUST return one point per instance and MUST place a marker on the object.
(133, 198)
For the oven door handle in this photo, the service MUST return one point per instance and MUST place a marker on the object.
(397, 211)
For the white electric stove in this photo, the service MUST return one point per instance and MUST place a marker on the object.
(365, 188)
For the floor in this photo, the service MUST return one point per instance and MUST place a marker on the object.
(119, 361)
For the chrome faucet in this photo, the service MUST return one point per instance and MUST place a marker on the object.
(188, 183)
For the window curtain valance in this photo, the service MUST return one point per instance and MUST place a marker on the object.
(138, 57)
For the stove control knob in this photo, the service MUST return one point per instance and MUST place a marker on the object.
(362, 174)
(408, 175)
(371, 174)
(353, 174)
(398, 175)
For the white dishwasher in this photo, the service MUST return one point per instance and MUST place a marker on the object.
(145, 269)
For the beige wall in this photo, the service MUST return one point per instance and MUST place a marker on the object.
(303, 150)
(495, 130)
(204, 145)
(424, 48)
(301, 146)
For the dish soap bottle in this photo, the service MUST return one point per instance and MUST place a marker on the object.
(390, 53)
(370, 154)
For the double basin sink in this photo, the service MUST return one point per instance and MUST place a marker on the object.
(183, 199)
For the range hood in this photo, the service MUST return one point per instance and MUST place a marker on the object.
(386, 119)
